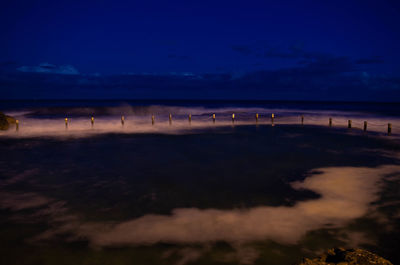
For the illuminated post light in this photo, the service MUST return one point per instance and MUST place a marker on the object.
(170, 119)
(330, 122)
(92, 120)
(389, 128)
(349, 124)
(16, 125)
(122, 120)
(233, 117)
(365, 126)
(272, 119)
(190, 118)
(256, 117)
(66, 123)
(152, 119)
(213, 116)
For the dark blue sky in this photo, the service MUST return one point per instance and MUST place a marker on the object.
(344, 50)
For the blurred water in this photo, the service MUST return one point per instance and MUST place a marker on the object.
(202, 193)
(46, 118)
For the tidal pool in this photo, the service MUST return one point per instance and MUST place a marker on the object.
(219, 195)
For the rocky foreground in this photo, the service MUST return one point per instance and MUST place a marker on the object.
(347, 257)
(6, 121)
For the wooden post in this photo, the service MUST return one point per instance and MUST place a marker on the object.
(389, 128)
(302, 119)
(190, 118)
(349, 124)
(213, 116)
(256, 117)
(66, 123)
(365, 126)
(272, 119)
(17, 125)
(92, 120)
(122, 120)
(233, 117)
(152, 119)
(330, 122)
(170, 119)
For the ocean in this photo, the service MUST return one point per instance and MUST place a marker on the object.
(197, 191)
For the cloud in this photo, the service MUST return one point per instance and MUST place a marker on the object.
(284, 53)
(331, 74)
(7, 63)
(7, 66)
(243, 49)
(178, 57)
(50, 69)
(315, 77)
(373, 60)
(294, 52)
(279, 51)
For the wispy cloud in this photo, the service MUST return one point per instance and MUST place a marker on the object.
(178, 57)
(315, 76)
(50, 69)
(372, 60)
(294, 51)
(243, 49)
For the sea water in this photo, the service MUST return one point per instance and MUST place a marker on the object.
(199, 192)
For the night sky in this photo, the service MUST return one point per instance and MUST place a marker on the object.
(273, 50)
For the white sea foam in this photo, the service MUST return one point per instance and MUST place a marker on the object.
(346, 193)
(139, 120)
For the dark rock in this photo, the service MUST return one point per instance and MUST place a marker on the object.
(5, 121)
(347, 257)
